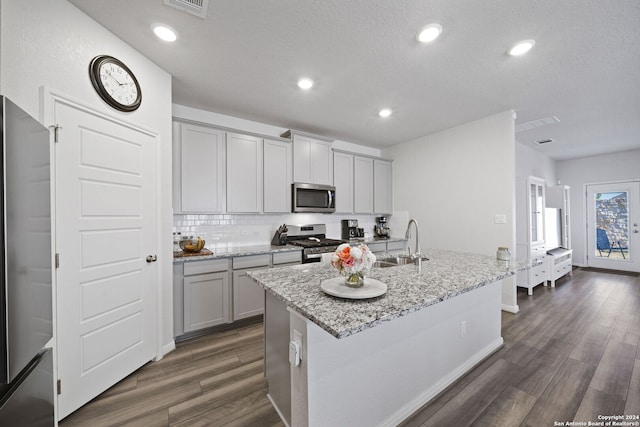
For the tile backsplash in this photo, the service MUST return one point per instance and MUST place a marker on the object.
(245, 229)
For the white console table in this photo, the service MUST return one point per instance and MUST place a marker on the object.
(558, 264)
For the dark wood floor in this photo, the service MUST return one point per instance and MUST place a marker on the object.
(571, 354)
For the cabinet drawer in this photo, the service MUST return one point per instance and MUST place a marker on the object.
(207, 266)
(251, 261)
(537, 274)
(287, 257)
(396, 246)
(377, 247)
(538, 252)
(562, 269)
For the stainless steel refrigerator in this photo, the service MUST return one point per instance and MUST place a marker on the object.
(26, 366)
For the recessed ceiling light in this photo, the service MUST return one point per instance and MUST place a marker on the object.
(522, 47)
(165, 33)
(305, 83)
(429, 33)
(385, 112)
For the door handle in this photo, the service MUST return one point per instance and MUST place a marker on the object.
(152, 258)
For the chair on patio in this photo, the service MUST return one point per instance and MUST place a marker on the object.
(603, 244)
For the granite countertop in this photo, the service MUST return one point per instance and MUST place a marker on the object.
(232, 251)
(445, 275)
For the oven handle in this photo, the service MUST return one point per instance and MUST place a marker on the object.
(314, 256)
(330, 198)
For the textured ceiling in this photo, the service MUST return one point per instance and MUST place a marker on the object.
(244, 60)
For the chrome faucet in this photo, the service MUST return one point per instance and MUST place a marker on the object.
(417, 256)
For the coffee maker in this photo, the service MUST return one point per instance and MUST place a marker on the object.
(381, 229)
(350, 229)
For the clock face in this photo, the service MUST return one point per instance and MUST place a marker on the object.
(115, 83)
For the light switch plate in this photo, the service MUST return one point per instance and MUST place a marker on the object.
(500, 219)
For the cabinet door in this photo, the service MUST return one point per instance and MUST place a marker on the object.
(277, 176)
(312, 160)
(301, 159)
(363, 184)
(201, 169)
(244, 173)
(248, 296)
(343, 181)
(321, 163)
(536, 211)
(382, 187)
(206, 300)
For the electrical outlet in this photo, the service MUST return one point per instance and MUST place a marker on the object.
(500, 219)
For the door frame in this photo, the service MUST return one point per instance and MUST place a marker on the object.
(48, 100)
(585, 241)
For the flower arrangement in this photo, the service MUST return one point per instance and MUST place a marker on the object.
(353, 262)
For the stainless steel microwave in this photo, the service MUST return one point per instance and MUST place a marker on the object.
(313, 198)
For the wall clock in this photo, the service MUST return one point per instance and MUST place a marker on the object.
(115, 83)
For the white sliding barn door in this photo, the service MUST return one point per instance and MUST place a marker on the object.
(106, 228)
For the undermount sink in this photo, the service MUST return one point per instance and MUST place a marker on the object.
(395, 261)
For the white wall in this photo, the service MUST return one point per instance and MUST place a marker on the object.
(50, 43)
(454, 183)
(531, 162)
(591, 170)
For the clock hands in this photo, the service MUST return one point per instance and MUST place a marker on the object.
(113, 78)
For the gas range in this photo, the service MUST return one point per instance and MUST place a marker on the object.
(312, 238)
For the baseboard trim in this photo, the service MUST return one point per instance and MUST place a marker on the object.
(510, 308)
(168, 348)
(608, 271)
(430, 393)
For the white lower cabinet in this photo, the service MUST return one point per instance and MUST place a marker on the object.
(382, 247)
(248, 296)
(206, 294)
(559, 263)
(217, 291)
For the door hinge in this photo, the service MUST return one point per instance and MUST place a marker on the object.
(59, 386)
(57, 260)
(55, 131)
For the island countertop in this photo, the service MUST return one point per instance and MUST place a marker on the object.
(445, 275)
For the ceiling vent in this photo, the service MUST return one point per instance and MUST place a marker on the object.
(536, 124)
(194, 7)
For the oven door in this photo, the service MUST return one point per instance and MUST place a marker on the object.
(313, 198)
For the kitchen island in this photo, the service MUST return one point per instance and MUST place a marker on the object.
(376, 361)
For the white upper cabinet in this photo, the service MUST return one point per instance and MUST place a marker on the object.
(363, 184)
(198, 169)
(277, 176)
(244, 173)
(312, 160)
(382, 187)
(343, 181)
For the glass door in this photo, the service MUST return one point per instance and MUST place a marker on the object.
(536, 205)
(613, 226)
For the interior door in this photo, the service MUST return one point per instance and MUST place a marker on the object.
(613, 226)
(106, 228)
